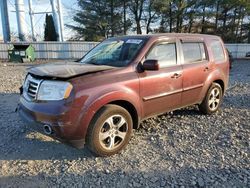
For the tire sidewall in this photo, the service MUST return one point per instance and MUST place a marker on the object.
(97, 124)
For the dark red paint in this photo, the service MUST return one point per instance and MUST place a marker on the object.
(143, 93)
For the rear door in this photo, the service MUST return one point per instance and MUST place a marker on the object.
(161, 90)
(196, 69)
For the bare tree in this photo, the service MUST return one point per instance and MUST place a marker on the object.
(136, 8)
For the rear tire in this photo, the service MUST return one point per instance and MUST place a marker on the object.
(109, 131)
(212, 100)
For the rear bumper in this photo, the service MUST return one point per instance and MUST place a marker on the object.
(37, 120)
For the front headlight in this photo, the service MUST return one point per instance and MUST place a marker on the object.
(54, 90)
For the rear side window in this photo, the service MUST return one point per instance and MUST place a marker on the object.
(165, 53)
(194, 52)
(218, 51)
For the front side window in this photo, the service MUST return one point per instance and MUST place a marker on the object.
(218, 51)
(194, 52)
(117, 53)
(165, 53)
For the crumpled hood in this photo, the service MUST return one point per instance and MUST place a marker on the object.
(66, 69)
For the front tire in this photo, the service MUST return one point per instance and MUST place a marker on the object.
(212, 100)
(109, 131)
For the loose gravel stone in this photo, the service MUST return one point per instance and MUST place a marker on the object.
(178, 149)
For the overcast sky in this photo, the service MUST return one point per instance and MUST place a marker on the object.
(68, 7)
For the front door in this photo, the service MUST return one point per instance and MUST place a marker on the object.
(161, 90)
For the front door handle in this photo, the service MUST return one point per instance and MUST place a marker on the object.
(176, 75)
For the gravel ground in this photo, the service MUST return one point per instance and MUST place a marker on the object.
(179, 149)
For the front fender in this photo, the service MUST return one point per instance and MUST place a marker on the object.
(96, 102)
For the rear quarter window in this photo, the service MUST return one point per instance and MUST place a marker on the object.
(217, 50)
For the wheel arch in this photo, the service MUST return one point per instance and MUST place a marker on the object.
(129, 101)
(214, 77)
(131, 109)
(221, 83)
(208, 85)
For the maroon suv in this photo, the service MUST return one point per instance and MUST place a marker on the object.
(123, 80)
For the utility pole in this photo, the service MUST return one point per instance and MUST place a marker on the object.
(56, 19)
(5, 21)
(60, 20)
(32, 20)
(20, 16)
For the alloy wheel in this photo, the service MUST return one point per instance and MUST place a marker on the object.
(113, 132)
(214, 99)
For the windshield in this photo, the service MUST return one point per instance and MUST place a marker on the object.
(117, 53)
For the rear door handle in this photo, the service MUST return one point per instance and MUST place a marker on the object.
(176, 75)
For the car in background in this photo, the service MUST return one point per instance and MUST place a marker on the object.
(248, 54)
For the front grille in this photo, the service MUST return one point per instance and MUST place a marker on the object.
(31, 87)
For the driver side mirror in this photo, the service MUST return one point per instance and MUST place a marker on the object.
(151, 65)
